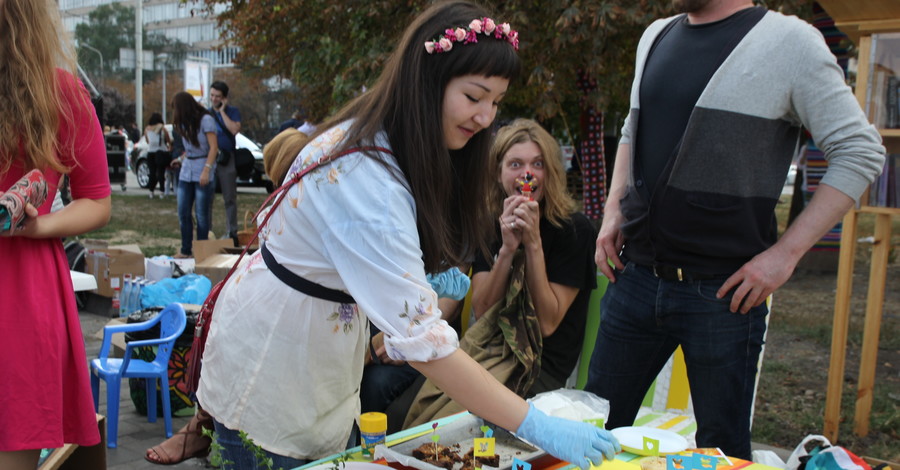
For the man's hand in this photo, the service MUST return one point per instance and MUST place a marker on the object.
(609, 244)
(757, 279)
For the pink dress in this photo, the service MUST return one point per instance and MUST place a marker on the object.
(45, 392)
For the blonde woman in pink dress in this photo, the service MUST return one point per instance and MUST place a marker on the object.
(45, 392)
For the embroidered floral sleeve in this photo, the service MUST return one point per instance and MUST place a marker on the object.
(366, 220)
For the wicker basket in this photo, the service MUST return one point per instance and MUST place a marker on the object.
(246, 234)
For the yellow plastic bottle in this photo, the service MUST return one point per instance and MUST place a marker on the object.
(372, 430)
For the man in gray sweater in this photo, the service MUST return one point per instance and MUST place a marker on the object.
(719, 98)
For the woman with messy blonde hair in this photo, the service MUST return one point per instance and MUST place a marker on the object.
(553, 241)
(50, 126)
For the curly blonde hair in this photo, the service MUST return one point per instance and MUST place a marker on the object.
(33, 45)
(557, 205)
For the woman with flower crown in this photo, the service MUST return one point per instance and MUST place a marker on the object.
(405, 199)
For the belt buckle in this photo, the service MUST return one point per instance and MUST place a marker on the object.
(678, 273)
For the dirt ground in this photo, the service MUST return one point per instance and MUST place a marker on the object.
(791, 398)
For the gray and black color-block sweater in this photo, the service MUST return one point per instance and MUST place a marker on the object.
(713, 208)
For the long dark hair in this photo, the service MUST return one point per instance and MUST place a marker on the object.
(406, 102)
(188, 113)
(155, 119)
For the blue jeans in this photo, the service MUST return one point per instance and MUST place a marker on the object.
(188, 193)
(237, 456)
(645, 318)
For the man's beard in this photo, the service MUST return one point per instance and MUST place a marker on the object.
(689, 6)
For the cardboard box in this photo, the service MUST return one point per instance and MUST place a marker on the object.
(71, 456)
(109, 263)
(216, 267)
(213, 258)
(205, 248)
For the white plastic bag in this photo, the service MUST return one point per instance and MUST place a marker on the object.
(767, 457)
(793, 462)
(577, 405)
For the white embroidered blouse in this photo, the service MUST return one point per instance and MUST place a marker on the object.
(285, 367)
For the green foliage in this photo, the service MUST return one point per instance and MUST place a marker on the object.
(109, 28)
(332, 48)
(215, 449)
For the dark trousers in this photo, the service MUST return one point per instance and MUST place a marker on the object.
(157, 163)
(645, 318)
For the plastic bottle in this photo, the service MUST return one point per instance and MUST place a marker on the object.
(126, 296)
(134, 298)
(116, 306)
(372, 430)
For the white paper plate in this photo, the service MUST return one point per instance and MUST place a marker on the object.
(631, 438)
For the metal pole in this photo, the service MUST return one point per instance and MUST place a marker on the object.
(139, 64)
(164, 57)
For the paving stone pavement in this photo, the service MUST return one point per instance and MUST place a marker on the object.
(136, 435)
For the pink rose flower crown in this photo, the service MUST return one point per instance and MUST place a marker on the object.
(484, 26)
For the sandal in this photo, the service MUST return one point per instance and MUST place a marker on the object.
(201, 420)
(182, 256)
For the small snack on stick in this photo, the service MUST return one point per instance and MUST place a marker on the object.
(527, 186)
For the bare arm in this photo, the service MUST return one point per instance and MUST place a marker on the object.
(769, 270)
(80, 216)
(233, 126)
(610, 239)
(475, 389)
(210, 157)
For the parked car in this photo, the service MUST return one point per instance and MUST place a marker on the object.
(258, 176)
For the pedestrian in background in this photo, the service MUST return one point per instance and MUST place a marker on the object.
(159, 153)
(228, 124)
(196, 180)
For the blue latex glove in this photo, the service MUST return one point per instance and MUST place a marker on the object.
(451, 283)
(575, 442)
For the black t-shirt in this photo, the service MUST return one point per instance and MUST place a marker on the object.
(675, 75)
(569, 257)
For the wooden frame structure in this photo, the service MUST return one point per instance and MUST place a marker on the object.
(860, 20)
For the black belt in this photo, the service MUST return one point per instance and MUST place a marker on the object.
(672, 273)
(300, 284)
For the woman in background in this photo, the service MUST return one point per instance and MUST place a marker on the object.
(46, 392)
(159, 152)
(195, 182)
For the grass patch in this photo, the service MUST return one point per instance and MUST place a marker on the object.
(153, 223)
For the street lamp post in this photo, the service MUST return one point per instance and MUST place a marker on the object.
(163, 57)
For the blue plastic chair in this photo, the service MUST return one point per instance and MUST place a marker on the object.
(171, 321)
